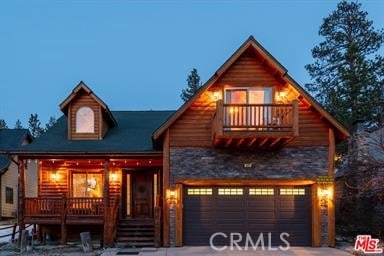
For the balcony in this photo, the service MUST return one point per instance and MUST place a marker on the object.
(254, 125)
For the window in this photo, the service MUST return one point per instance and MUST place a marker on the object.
(245, 107)
(85, 120)
(8, 195)
(292, 191)
(261, 191)
(230, 191)
(199, 191)
(87, 184)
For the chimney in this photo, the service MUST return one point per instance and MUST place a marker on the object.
(358, 126)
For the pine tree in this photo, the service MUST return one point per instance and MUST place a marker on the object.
(51, 122)
(18, 124)
(3, 124)
(34, 126)
(193, 85)
(348, 72)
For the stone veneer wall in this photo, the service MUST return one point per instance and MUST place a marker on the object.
(287, 163)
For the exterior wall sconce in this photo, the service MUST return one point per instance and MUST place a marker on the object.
(55, 176)
(216, 95)
(113, 177)
(325, 194)
(172, 196)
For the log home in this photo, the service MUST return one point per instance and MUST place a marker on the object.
(251, 152)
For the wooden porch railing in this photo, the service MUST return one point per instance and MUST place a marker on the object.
(43, 206)
(55, 206)
(255, 118)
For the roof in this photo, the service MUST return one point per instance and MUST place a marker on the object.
(81, 86)
(11, 139)
(133, 134)
(252, 43)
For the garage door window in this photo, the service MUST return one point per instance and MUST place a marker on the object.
(230, 191)
(261, 191)
(292, 191)
(199, 191)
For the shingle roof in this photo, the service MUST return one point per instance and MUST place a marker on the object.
(10, 139)
(133, 134)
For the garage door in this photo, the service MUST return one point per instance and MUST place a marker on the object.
(253, 210)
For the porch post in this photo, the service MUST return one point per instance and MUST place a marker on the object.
(21, 196)
(107, 217)
(106, 184)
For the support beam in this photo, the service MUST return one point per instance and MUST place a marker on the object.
(228, 143)
(295, 116)
(331, 203)
(165, 187)
(63, 226)
(238, 144)
(107, 212)
(263, 142)
(315, 217)
(274, 142)
(179, 215)
(251, 142)
(21, 196)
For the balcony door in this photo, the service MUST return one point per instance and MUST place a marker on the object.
(244, 107)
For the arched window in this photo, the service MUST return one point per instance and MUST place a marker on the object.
(85, 120)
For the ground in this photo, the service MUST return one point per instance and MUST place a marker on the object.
(73, 250)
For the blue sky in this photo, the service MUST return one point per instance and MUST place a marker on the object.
(136, 55)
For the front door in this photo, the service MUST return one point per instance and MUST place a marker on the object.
(142, 195)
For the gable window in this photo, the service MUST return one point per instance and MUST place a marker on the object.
(8, 195)
(85, 120)
(87, 184)
(247, 107)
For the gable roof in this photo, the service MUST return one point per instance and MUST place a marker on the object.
(81, 86)
(273, 63)
(132, 135)
(11, 139)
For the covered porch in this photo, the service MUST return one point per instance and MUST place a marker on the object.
(74, 192)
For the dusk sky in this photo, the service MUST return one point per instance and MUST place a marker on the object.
(136, 55)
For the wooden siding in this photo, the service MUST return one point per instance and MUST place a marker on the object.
(83, 100)
(193, 128)
(9, 179)
(48, 187)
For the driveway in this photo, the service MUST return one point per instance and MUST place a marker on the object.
(206, 251)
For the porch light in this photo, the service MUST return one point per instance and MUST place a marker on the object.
(325, 194)
(113, 177)
(55, 176)
(216, 95)
(171, 196)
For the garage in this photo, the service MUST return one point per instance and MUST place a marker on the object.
(253, 210)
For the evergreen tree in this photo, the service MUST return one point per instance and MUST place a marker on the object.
(193, 85)
(51, 122)
(18, 124)
(3, 124)
(34, 126)
(348, 72)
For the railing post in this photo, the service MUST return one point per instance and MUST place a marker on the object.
(295, 118)
(63, 220)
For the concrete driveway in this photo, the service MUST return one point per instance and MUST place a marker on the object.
(204, 250)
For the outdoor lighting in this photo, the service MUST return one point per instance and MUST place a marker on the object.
(113, 177)
(325, 193)
(55, 176)
(171, 196)
(216, 95)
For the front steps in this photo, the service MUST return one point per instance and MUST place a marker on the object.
(135, 233)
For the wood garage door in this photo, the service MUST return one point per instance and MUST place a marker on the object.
(252, 210)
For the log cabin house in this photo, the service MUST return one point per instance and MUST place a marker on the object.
(251, 152)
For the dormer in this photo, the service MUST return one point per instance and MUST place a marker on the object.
(89, 118)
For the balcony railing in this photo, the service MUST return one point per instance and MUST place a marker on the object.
(256, 118)
(56, 206)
